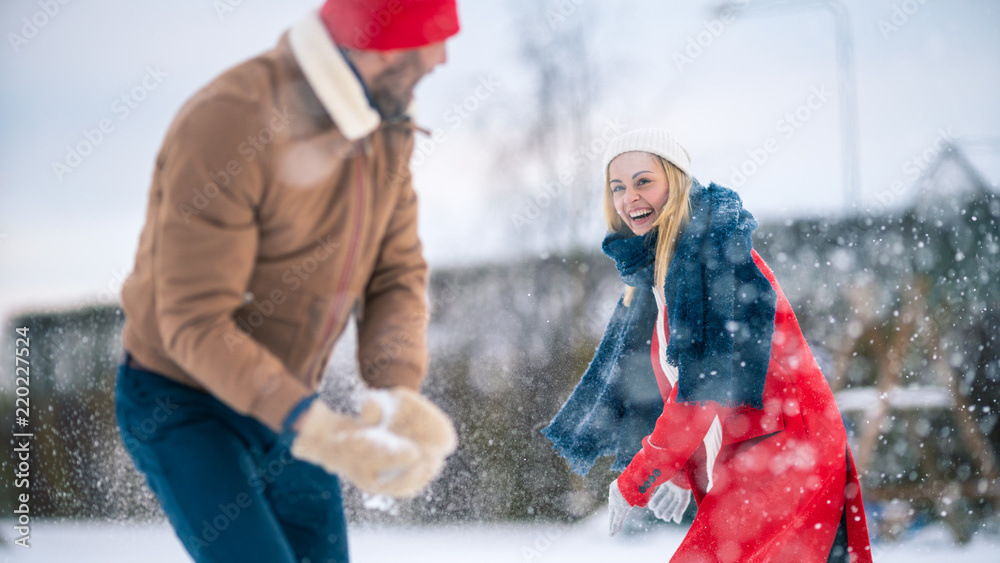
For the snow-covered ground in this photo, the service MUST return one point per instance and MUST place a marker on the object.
(588, 541)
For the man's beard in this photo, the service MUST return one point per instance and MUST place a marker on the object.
(389, 104)
(392, 90)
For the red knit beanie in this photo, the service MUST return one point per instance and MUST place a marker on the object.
(382, 25)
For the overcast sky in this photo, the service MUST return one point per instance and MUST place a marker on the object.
(924, 70)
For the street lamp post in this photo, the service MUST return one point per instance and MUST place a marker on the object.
(849, 152)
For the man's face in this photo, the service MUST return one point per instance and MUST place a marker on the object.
(392, 89)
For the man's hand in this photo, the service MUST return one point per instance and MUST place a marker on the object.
(363, 454)
(396, 446)
(669, 502)
(618, 507)
(409, 414)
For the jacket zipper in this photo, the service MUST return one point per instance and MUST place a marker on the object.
(349, 264)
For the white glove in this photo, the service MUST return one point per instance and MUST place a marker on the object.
(669, 502)
(618, 507)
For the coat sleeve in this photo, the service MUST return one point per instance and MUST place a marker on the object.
(205, 251)
(392, 332)
(678, 433)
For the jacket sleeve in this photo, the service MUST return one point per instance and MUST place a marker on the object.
(392, 332)
(205, 248)
(679, 431)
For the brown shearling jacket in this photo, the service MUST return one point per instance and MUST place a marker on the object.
(280, 203)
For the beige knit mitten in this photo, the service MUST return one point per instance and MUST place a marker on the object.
(410, 415)
(396, 446)
(365, 455)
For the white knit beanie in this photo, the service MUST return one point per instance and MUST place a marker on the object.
(655, 141)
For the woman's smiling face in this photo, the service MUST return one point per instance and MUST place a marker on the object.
(639, 188)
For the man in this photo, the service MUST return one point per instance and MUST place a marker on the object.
(281, 203)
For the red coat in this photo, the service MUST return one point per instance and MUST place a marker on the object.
(771, 484)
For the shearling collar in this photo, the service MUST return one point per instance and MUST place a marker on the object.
(332, 80)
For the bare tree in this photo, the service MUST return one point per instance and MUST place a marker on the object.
(547, 165)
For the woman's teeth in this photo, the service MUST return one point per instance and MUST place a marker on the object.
(640, 215)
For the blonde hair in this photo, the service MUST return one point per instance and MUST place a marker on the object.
(673, 218)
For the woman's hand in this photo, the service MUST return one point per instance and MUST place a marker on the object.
(669, 502)
(618, 507)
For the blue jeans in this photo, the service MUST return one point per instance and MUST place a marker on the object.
(228, 484)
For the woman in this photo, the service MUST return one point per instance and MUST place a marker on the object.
(743, 419)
